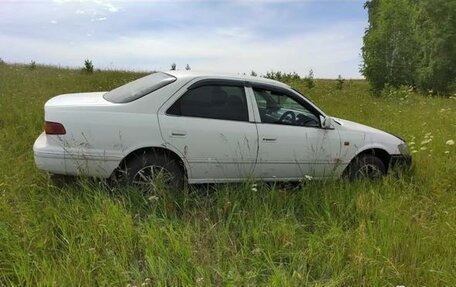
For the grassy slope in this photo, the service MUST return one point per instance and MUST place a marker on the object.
(399, 231)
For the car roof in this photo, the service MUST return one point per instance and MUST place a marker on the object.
(210, 75)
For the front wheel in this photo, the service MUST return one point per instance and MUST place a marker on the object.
(152, 171)
(366, 166)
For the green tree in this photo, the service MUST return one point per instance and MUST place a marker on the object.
(411, 42)
(309, 79)
(390, 44)
(340, 82)
(88, 66)
(32, 65)
(436, 29)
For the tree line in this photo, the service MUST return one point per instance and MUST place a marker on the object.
(411, 42)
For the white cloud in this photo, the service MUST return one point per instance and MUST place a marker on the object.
(327, 52)
(233, 32)
(98, 19)
(206, 35)
(104, 4)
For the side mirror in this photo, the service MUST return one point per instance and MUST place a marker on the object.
(326, 123)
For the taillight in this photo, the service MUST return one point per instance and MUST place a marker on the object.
(52, 128)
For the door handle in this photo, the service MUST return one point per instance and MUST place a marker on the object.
(178, 134)
(269, 139)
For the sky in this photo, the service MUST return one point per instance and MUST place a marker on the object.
(223, 36)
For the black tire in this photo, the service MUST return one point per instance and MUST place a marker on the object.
(158, 162)
(366, 166)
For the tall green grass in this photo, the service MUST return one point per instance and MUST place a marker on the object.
(400, 231)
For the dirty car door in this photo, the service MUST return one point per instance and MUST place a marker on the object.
(209, 126)
(291, 143)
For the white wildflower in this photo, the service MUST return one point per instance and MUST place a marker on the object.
(426, 141)
(447, 152)
(308, 177)
(450, 142)
(411, 143)
(423, 148)
(414, 151)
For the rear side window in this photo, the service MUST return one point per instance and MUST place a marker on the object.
(214, 102)
(139, 88)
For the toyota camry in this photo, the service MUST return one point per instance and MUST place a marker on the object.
(200, 128)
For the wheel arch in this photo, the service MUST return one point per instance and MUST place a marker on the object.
(381, 153)
(152, 149)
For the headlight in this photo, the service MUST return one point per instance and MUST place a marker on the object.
(403, 148)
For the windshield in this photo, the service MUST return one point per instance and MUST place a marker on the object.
(139, 88)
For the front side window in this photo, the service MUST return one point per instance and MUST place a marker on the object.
(214, 102)
(278, 108)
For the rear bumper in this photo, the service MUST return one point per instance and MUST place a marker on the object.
(49, 156)
(52, 156)
(401, 160)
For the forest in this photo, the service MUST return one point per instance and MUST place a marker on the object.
(411, 43)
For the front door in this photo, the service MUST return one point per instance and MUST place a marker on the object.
(209, 126)
(291, 143)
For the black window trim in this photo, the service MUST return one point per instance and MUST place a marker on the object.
(216, 82)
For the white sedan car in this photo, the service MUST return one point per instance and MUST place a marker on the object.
(203, 128)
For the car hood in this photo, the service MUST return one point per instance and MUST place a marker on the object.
(78, 100)
(375, 134)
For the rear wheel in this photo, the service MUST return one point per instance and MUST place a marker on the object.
(152, 171)
(366, 166)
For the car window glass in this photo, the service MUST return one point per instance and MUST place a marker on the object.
(212, 101)
(278, 108)
(139, 88)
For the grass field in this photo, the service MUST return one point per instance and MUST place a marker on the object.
(400, 231)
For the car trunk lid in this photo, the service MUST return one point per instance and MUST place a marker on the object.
(79, 100)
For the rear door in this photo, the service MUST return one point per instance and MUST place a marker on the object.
(210, 125)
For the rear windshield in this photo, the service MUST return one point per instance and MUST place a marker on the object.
(139, 88)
